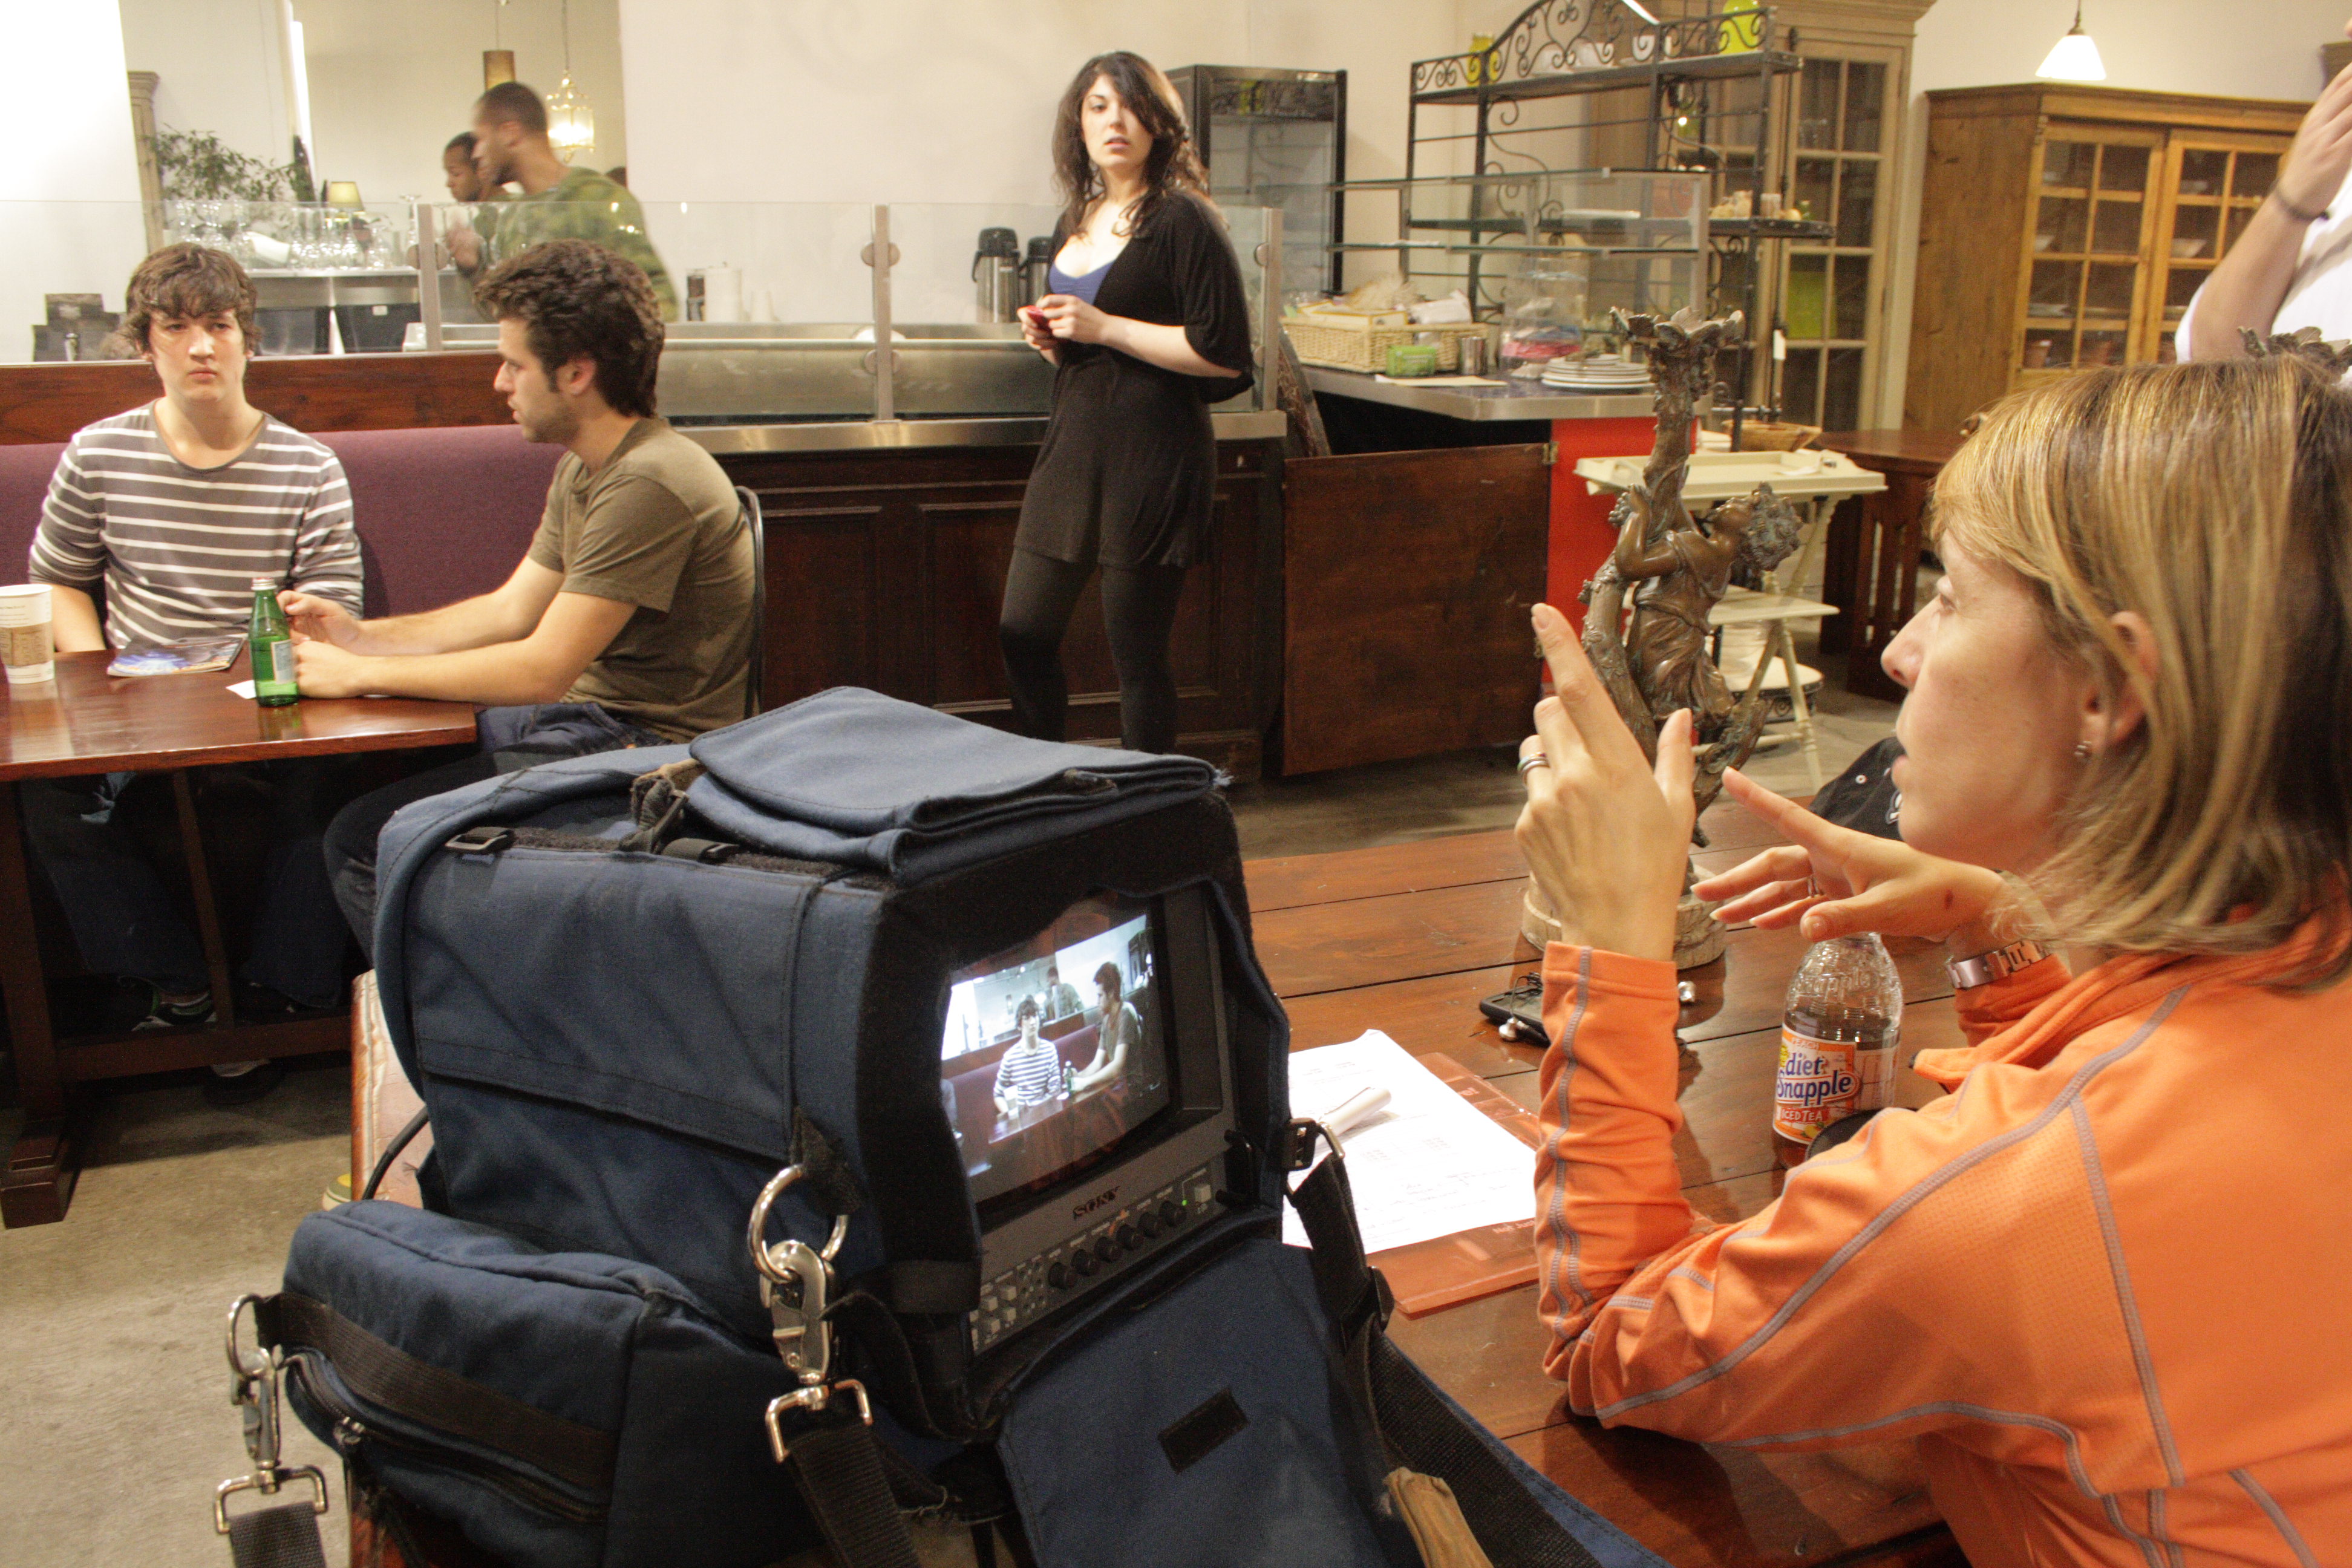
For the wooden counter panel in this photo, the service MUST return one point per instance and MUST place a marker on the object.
(317, 393)
(1407, 577)
(885, 570)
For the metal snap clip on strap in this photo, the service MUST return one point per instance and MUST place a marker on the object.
(285, 1535)
(795, 1284)
(832, 1459)
(482, 838)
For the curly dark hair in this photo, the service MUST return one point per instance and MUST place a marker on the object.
(573, 297)
(1108, 978)
(1027, 1009)
(1173, 165)
(185, 281)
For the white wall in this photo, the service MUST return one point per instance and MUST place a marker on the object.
(391, 83)
(942, 101)
(63, 91)
(222, 65)
(2268, 48)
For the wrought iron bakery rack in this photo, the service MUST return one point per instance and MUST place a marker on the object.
(1616, 86)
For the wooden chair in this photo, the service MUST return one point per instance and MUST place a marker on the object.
(754, 678)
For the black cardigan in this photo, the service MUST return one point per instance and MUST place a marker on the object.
(1129, 468)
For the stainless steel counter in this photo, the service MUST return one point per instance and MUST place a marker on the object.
(1514, 399)
(853, 435)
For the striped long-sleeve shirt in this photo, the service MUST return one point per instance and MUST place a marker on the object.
(177, 548)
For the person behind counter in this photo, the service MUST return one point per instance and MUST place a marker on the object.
(2288, 269)
(511, 146)
(166, 514)
(2133, 690)
(627, 622)
(466, 236)
(1146, 326)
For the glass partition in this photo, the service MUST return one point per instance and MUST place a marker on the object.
(964, 270)
(774, 306)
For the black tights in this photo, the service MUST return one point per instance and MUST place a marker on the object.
(1138, 614)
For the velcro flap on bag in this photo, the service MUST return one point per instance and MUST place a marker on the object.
(1202, 1425)
(856, 778)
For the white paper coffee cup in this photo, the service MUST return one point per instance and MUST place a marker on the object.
(25, 645)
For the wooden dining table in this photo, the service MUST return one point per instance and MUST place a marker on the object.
(86, 722)
(1407, 939)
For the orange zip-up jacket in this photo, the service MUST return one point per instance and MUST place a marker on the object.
(2106, 1284)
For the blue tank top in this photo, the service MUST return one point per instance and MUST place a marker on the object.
(1085, 287)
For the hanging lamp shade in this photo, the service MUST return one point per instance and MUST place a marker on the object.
(570, 123)
(2074, 58)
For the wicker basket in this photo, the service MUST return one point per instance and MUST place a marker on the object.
(1367, 348)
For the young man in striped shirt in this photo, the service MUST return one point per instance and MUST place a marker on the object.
(1030, 1071)
(170, 511)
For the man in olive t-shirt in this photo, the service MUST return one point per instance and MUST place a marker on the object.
(628, 621)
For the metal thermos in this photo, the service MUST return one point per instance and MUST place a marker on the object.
(1034, 286)
(996, 275)
(1473, 354)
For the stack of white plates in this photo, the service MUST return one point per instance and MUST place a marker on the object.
(1600, 372)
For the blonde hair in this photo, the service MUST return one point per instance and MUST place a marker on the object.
(2211, 499)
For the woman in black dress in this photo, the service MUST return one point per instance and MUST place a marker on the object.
(1147, 326)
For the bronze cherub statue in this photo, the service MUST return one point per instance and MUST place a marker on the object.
(1676, 568)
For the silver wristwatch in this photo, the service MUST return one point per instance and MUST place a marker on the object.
(1999, 964)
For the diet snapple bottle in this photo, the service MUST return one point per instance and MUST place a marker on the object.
(1837, 1040)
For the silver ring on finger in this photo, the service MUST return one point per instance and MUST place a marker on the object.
(1813, 887)
(1533, 759)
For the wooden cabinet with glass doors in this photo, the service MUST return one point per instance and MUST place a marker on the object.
(2063, 228)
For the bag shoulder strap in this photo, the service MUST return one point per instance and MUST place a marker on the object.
(1417, 1426)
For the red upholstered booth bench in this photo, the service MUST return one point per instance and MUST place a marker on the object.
(441, 513)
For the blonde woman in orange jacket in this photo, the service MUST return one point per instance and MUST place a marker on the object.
(2102, 1285)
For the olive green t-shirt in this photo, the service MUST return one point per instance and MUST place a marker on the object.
(656, 526)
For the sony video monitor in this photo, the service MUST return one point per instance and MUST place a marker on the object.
(1054, 1050)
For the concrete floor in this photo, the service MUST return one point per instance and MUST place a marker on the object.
(116, 1425)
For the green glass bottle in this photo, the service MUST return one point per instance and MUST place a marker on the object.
(273, 648)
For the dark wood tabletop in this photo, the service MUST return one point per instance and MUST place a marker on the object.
(91, 722)
(1406, 940)
(1930, 449)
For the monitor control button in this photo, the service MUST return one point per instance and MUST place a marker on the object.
(1084, 1262)
(1170, 1215)
(1106, 1249)
(1150, 1222)
(1129, 1238)
(1058, 1277)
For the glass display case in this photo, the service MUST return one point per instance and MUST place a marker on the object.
(1547, 255)
(784, 317)
(1277, 138)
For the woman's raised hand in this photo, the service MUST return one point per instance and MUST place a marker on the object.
(1606, 833)
(1833, 882)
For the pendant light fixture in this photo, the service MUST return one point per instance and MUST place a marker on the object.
(497, 60)
(571, 124)
(2074, 58)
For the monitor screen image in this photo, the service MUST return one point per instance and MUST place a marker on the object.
(1055, 1049)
